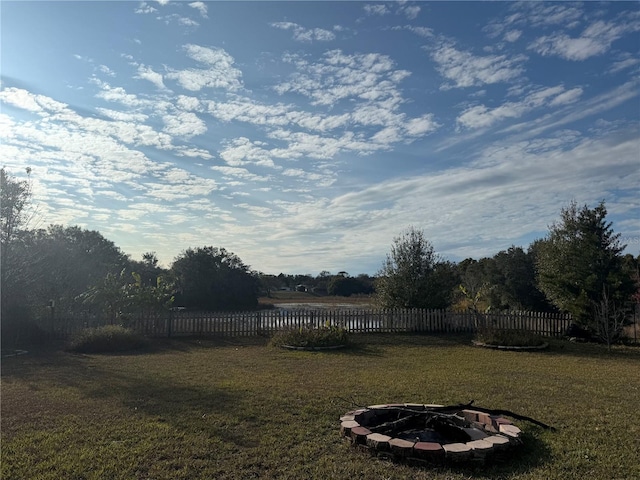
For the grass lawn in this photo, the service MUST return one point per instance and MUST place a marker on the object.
(213, 409)
(306, 298)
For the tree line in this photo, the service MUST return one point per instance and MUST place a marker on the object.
(62, 270)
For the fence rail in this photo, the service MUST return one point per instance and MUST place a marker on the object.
(266, 322)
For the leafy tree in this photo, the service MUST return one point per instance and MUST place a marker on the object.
(268, 283)
(66, 261)
(111, 295)
(148, 268)
(147, 299)
(345, 286)
(14, 199)
(579, 259)
(476, 284)
(514, 281)
(413, 276)
(211, 278)
(119, 296)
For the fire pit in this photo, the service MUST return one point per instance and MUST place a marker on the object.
(432, 434)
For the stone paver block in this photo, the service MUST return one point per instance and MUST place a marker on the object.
(346, 426)
(499, 442)
(497, 421)
(401, 447)
(480, 445)
(510, 430)
(458, 452)
(431, 451)
(378, 441)
(359, 435)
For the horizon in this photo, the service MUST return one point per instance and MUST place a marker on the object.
(305, 136)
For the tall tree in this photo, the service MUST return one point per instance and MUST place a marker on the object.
(67, 261)
(413, 275)
(14, 199)
(514, 280)
(211, 278)
(579, 259)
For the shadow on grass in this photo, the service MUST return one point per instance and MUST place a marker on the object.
(525, 459)
(191, 343)
(533, 454)
(562, 347)
(213, 412)
(137, 396)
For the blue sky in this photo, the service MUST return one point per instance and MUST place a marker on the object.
(305, 136)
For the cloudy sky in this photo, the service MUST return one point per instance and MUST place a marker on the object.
(305, 136)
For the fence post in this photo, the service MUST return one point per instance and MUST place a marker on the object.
(169, 322)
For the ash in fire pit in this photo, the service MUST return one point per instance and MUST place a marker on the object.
(432, 433)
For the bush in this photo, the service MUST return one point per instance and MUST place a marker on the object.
(311, 337)
(509, 338)
(109, 338)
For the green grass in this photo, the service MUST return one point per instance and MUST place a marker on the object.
(238, 409)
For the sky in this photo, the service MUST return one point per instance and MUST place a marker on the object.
(306, 136)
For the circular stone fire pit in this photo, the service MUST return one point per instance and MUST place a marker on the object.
(431, 434)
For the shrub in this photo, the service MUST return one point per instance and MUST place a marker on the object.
(109, 338)
(311, 337)
(509, 338)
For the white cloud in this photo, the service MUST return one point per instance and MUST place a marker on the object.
(481, 116)
(201, 7)
(466, 70)
(242, 173)
(302, 34)
(569, 96)
(520, 186)
(242, 151)
(106, 70)
(220, 71)
(144, 7)
(417, 127)
(592, 106)
(147, 73)
(184, 124)
(512, 35)
(411, 12)
(21, 98)
(420, 31)
(340, 76)
(185, 102)
(376, 9)
(123, 116)
(538, 15)
(624, 63)
(595, 40)
(116, 94)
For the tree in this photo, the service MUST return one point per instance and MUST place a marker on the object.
(345, 286)
(514, 282)
(148, 268)
(209, 278)
(413, 276)
(66, 261)
(578, 260)
(14, 199)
